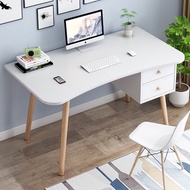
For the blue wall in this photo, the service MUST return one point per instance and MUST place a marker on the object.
(153, 16)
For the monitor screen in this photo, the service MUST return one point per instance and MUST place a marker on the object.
(84, 29)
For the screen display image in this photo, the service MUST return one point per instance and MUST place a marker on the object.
(83, 28)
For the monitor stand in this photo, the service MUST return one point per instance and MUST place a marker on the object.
(89, 47)
(84, 49)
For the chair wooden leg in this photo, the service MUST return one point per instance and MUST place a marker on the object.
(136, 159)
(177, 154)
(163, 172)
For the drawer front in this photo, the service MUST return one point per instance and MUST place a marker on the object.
(157, 88)
(157, 73)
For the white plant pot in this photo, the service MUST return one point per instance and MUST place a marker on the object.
(128, 32)
(179, 99)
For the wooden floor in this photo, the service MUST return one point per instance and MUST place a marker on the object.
(95, 137)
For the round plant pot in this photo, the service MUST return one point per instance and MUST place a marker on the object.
(128, 32)
(179, 99)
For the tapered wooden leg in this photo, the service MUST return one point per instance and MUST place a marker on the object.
(127, 98)
(164, 110)
(136, 159)
(177, 154)
(29, 117)
(163, 172)
(64, 130)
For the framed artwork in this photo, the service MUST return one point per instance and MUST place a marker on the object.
(45, 17)
(10, 11)
(89, 1)
(29, 3)
(64, 6)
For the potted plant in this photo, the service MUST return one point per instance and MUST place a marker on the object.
(128, 32)
(178, 36)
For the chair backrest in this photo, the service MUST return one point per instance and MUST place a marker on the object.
(178, 132)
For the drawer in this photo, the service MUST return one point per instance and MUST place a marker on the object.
(158, 88)
(157, 73)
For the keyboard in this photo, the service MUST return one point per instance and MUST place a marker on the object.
(101, 64)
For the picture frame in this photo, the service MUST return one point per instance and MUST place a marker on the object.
(10, 11)
(30, 3)
(45, 17)
(89, 1)
(64, 6)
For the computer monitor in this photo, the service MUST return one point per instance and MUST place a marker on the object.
(84, 29)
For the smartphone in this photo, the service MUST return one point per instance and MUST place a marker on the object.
(59, 79)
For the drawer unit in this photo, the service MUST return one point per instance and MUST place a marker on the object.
(150, 84)
(157, 87)
(157, 73)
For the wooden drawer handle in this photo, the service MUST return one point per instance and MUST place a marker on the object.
(158, 71)
(158, 88)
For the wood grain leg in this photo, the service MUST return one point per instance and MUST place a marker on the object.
(163, 170)
(177, 154)
(136, 159)
(30, 116)
(127, 98)
(164, 109)
(64, 130)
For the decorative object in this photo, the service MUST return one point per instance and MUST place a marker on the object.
(180, 99)
(10, 11)
(178, 37)
(45, 17)
(89, 1)
(64, 6)
(29, 3)
(128, 25)
(144, 177)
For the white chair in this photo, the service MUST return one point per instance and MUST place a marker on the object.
(158, 138)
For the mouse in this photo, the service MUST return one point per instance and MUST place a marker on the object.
(131, 53)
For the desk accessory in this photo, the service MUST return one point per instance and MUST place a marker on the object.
(33, 52)
(131, 53)
(59, 79)
(23, 70)
(128, 31)
(28, 63)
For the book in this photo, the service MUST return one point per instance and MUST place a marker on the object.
(23, 70)
(28, 63)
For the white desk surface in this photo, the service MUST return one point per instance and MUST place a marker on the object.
(151, 52)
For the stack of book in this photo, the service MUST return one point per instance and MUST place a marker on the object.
(30, 64)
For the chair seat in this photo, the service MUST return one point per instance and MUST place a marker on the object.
(151, 135)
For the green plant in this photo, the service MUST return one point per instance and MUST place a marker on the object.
(128, 15)
(178, 36)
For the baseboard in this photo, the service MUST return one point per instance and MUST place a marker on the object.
(57, 116)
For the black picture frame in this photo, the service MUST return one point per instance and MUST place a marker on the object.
(10, 10)
(89, 1)
(64, 6)
(30, 3)
(45, 17)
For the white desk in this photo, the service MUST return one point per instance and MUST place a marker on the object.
(152, 54)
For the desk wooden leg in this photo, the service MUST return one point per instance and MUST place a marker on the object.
(127, 98)
(64, 129)
(164, 109)
(29, 117)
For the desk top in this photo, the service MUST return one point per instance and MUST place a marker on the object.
(151, 52)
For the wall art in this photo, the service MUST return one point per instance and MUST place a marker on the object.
(89, 1)
(64, 6)
(29, 3)
(10, 10)
(45, 17)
